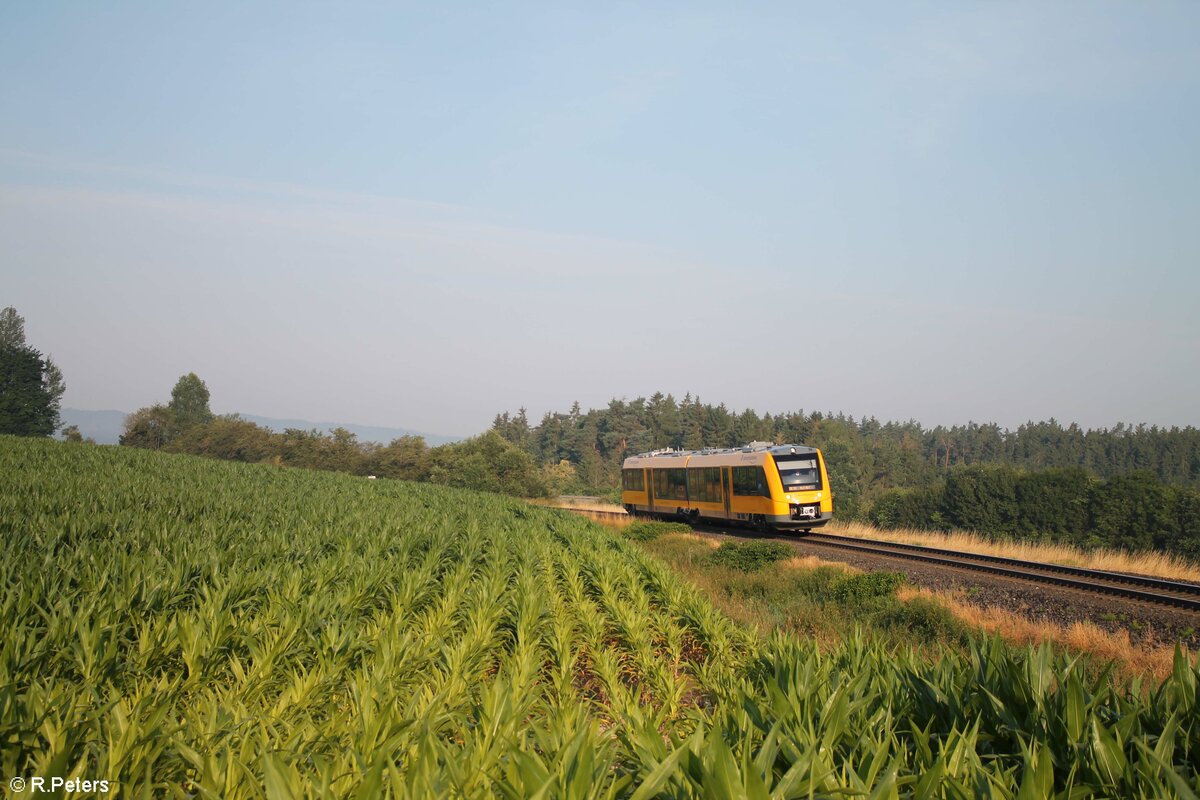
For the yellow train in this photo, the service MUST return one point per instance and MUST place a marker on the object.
(782, 486)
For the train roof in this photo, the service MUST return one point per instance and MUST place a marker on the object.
(678, 458)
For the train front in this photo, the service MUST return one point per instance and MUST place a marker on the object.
(805, 487)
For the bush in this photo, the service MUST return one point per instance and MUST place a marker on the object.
(231, 438)
(905, 508)
(982, 498)
(1054, 502)
(649, 531)
(855, 589)
(487, 463)
(925, 619)
(750, 556)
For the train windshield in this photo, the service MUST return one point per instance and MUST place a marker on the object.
(799, 474)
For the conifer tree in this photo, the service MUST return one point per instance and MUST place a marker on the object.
(31, 385)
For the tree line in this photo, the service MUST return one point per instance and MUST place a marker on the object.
(1134, 511)
(866, 456)
(187, 425)
(887, 471)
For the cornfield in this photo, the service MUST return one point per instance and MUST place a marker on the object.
(194, 628)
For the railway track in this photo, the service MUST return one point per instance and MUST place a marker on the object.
(1177, 594)
(1133, 587)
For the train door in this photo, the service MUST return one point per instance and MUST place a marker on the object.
(650, 488)
(725, 482)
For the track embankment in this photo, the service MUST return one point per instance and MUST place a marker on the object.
(1151, 609)
(1040, 601)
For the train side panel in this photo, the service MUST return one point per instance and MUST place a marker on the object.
(737, 485)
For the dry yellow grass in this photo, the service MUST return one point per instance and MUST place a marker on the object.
(1079, 637)
(598, 511)
(606, 519)
(1160, 565)
(694, 538)
(581, 504)
(813, 562)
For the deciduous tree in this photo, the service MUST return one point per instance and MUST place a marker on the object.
(189, 401)
(151, 428)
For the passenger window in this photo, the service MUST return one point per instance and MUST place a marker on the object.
(750, 482)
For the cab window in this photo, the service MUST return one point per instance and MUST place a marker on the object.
(799, 474)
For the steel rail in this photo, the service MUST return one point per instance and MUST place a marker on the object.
(1082, 572)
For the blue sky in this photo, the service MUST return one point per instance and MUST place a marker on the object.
(420, 216)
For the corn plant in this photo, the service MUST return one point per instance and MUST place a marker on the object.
(194, 628)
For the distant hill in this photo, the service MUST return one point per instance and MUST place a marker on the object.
(103, 426)
(365, 433)
(106, 426)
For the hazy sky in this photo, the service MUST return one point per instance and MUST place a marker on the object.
(420, 216)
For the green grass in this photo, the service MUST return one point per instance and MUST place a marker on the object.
(868, 586)
(649, 531)
(749, 556)
(755, 586)
(195, 628)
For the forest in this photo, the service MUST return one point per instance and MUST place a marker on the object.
(1134, 487)
(1134, 511)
